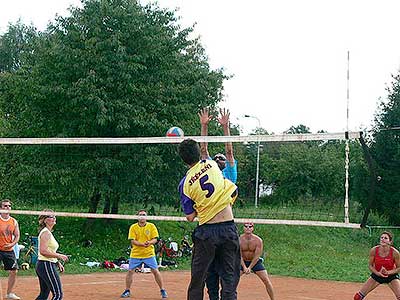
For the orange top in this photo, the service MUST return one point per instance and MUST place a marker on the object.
(7, 228)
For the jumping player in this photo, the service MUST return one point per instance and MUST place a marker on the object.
(206, 194)
(228, 165)
(384, 263)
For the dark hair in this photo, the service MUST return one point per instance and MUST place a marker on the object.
(5, 201)
(142, 210)
(189, 151)
(389, 234)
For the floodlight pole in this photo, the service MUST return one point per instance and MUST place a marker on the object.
(258, 162)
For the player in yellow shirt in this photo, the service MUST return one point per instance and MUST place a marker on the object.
(207, 195)
(143, 235)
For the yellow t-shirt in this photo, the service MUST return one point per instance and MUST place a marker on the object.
(52, 246)
(142, 234)
(206, 191)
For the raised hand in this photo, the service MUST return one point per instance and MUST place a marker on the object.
(223, 118)
(204, 116)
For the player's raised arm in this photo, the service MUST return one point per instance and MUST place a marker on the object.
(223, 119)
(205, 118)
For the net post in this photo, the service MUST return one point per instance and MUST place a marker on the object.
(373, 179)
(346, 184)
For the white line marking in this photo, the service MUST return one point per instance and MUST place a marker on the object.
(309, 298)
(103, 282)
(93, 283)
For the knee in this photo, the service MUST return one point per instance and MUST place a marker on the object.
(13, 272)
(129, 274)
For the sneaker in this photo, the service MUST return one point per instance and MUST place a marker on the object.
(126, 294)
(164, 294)
(12, 296)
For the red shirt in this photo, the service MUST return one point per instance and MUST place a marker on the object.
(387, 261)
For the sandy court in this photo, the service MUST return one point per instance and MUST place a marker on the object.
(108, 286)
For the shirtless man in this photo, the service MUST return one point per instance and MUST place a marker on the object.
(251, 248)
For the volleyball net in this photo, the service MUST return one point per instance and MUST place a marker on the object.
(302, 178)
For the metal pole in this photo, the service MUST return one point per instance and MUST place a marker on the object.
(257, 174)
(346, 184)
(347, 149)
(258, 163)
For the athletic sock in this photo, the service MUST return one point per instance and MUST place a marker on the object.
(359, 296)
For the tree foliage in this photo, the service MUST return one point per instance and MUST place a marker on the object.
(113, 68)
(385, 148)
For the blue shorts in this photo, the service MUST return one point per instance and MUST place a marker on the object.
(149, 262)
(257, 267)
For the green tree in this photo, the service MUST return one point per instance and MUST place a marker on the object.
(298, 129)
(114, 68)
(16, 46)
(385, 148)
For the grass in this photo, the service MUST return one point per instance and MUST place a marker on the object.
(307, 252)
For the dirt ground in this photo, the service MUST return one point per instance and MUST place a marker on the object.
(108, 286)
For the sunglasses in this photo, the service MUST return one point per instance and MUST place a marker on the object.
(248, 226)
(50, 217)
(6, 205)
(219, 158)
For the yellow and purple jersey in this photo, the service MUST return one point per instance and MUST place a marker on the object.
(206, 191)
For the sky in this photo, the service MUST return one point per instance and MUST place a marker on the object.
(288, 58)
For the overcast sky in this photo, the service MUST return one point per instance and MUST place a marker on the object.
(288, 57)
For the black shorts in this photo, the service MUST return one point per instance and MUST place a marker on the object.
(9, 260)
(257, 267)
(384, 279)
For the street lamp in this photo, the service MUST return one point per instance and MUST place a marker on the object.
(258, 160)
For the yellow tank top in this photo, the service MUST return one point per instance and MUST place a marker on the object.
(52, 246)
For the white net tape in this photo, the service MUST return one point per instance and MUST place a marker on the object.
(169, 140)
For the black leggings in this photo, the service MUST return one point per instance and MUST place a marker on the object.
(49, 280)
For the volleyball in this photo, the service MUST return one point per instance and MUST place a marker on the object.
(25, 266)
(174, 131)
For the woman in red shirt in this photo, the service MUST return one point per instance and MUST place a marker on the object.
(384, 263)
